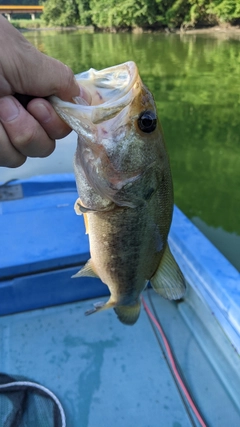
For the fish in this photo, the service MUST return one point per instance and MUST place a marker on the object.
(125, 188)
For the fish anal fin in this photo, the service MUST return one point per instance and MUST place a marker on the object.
(128, 314)
(168, 281)
(100, 306)
(86, 271)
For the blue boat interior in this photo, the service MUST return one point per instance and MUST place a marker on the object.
(103, 372)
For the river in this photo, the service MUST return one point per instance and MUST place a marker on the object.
(195, 79)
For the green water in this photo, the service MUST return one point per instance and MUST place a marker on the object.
(195, 80)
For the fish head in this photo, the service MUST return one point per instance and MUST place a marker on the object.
(119, 135)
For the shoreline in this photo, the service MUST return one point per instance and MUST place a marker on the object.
(227, 29)
(215, 29)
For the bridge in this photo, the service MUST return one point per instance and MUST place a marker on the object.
(8, 10)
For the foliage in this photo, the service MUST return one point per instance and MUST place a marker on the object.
(124, 13)
(178, 13)
(61, 12)
(156, 13)
(225, 10)
(137, 13)
(84, 12)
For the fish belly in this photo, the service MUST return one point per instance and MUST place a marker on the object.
(126, 248)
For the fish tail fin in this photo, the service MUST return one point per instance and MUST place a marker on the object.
(128, 314)
(168, 281)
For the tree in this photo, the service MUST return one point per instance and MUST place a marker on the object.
(61, 12)
(84, 12)
(126, 13)
(225, 10)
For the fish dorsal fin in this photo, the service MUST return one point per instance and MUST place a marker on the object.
(168, 281)
(86, 271)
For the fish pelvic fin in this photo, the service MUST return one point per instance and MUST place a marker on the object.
(86, 271)
(168, 281)
(128, 314)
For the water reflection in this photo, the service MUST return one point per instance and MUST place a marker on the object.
(195, 82)
(227, 243)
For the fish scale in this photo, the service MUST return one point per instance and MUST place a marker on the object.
(125, 188)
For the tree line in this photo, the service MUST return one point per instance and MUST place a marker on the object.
(127, 14)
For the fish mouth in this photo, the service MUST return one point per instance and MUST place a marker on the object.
(110, 90)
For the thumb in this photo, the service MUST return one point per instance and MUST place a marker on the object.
(26, 70)
(48, 76)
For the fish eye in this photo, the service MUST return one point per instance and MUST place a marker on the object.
(147, 121)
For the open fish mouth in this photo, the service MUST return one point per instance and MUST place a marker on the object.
(110, 90)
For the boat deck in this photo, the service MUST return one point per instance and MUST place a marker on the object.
(103, 372)
(106, 374)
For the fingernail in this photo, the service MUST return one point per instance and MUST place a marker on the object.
(42, 113)
(8, 109)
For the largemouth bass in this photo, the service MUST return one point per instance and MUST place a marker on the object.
(125, 188)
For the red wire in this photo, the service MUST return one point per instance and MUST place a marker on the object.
(173, 364)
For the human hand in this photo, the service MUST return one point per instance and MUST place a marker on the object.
(25, 70)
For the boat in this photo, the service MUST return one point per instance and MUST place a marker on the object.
(177, 366)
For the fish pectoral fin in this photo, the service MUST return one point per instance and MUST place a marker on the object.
(168, 281)
(99, 306)
(80, 209)
(86, 271)
(86, 223)
(128, 314)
